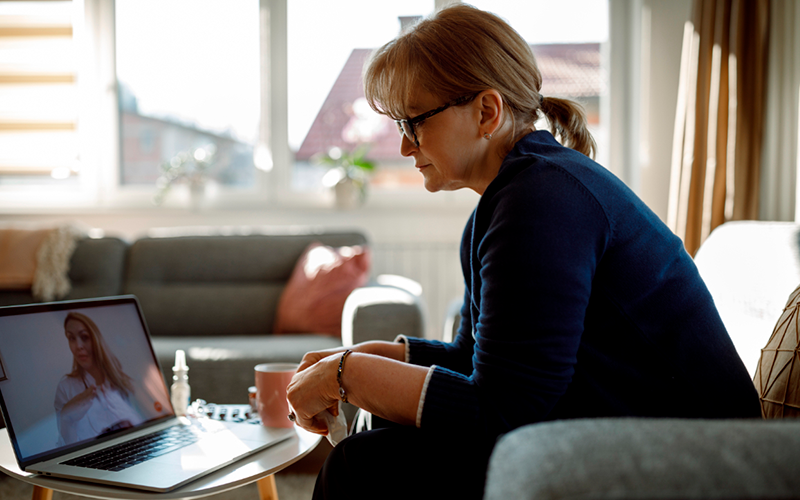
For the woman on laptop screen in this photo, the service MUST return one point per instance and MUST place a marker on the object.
(94, 398)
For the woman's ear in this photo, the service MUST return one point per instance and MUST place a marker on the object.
(490, 103)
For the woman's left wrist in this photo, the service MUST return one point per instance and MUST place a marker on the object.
(331, 375)
(340, 374)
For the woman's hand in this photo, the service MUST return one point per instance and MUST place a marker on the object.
(311, 358)
(77, 407)
(314, 389)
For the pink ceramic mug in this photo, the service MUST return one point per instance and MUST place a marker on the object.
(271, 382)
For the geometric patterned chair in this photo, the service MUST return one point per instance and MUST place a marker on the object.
(777, 377)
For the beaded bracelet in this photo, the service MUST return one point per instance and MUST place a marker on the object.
(342, 393)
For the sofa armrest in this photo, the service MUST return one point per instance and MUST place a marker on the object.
(381, 312)
(647, 459)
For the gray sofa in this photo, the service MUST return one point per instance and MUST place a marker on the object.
(215, 296)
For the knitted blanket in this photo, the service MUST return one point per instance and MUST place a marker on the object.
(38, 260)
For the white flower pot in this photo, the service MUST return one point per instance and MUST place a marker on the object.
(348, 194)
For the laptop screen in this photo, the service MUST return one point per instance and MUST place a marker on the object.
(73, 373)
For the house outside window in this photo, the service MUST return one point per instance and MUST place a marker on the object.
(188, 78)
(569, 59)
(327, 108)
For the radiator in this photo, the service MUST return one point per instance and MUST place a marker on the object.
(435, 266)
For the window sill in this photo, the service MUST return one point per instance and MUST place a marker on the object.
(179, 199)
(380, 220)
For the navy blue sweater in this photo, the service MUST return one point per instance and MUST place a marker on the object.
(579, 302)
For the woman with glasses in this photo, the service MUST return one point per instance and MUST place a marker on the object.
(579, 301)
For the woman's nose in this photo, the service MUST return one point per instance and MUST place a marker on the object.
(407, 147)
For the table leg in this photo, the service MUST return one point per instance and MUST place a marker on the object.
(266, 488)
(40, 493)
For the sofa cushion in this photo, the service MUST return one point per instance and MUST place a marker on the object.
(217, 285)
(322, 279)
(19, 256)
(96, 269)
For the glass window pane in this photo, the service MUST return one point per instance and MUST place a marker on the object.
(37, 55)
(38, 95)
(38, 154)
(566, 39)
(189, 77)
(326, 105)
(39, 102)
(326, 108)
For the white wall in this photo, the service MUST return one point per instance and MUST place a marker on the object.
(645, 42)
(660, 92)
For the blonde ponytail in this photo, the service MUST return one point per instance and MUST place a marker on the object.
(463, 51)
(568, 124)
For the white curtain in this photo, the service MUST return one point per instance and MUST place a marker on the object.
(777, 200)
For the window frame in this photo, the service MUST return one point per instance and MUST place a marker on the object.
(99, 133)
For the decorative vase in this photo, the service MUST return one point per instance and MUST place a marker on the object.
(349, 194)
(197, 194)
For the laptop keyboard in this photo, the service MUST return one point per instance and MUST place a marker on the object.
(136, 451)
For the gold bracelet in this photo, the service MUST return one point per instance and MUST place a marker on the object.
(342, 393)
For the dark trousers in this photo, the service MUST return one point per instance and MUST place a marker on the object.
(404, 462)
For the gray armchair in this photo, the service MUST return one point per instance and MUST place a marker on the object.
(647, 459)
(750, 268)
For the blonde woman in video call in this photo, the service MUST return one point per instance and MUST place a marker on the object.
(95, 397)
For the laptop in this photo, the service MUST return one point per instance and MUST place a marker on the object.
(83, 397)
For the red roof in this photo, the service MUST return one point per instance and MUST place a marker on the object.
(569, 70)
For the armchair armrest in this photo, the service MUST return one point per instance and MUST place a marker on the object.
(639, 458)
(381, 312)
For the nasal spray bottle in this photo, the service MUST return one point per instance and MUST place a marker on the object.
(180, 392)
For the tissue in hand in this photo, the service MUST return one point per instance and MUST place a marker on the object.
(337, 426)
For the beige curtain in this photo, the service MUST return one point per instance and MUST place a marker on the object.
(720, 118)
(779, 160)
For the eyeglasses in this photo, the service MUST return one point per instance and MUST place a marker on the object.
(406, 127)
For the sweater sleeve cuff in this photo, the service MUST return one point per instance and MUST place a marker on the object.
(404, 340)
(423, 352)
(422, 395)
(450, 399)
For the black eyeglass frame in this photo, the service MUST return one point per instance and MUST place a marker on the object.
(410, 122)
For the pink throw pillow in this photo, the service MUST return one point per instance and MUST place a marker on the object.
(314, 297)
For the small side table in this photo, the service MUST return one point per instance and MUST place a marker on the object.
(259, 467)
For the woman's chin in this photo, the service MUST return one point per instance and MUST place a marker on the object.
(431, 185)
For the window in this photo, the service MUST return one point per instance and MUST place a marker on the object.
(326, 104)
(38, 95)
(188, 82)
(268, 83)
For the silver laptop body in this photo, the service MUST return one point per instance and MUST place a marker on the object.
(56, 412)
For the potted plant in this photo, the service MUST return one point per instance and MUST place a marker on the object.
(348, 174)
(191, 167)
